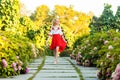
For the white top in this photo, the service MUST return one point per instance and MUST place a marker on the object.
(56, 30)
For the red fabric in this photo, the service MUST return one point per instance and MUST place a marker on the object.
(57, 40)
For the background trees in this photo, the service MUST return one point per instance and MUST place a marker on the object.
(106, 21)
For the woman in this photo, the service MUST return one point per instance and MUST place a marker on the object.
(58, 42)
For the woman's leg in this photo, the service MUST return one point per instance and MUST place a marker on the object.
(56, 54)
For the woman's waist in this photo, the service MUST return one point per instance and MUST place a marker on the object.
(56, 35)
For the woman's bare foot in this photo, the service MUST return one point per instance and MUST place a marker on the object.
(55, 62)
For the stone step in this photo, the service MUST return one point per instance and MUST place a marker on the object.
(91, 79)
(56, 79)
(20, 77)
(57, 75)
(58, 66)
(58, 71)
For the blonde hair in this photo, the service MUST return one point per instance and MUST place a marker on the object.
(54, 20)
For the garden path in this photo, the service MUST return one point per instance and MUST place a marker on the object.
(64, 70)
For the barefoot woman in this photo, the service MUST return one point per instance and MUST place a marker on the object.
(58, 42)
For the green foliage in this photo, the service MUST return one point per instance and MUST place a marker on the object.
(11, 47)
(15, 39)
(104, 22)
(102, 49)
(9, 15)
(117, 19)
(107, 17)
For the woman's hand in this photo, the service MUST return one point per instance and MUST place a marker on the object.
(46, 42)
(64, 39)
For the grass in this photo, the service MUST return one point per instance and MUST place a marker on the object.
(77, 70)
(39, 68)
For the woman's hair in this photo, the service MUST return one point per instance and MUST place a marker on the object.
(54, 20)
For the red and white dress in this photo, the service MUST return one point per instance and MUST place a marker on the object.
(57, 39)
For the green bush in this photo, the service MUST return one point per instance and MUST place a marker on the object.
(102, 50)
(14, 49)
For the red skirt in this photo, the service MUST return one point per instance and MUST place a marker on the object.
(57, 40)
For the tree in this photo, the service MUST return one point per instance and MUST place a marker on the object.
(93, 25)
(105, 21)
(117, 19)
(40, 14)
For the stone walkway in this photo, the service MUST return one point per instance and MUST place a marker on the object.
(61, 71)
(88, 73)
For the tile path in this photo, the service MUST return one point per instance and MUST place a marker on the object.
(61, 71)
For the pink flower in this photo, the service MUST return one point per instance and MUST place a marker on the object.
(105, 42)
(79, 55)
(4, 63)
(108, 74)
(26, 70)
(110, 47)
(118, 71)
(19, 68)
(15, 69)
(13, 64)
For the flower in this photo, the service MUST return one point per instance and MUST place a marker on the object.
(4, 63)
(108, 55)
(17, 57)
(116, 74)
(105, 42)
(95, 48)
(26, 70)
(15, 69)
(13, 64)
(79, 54)
(118, 71)
(115, 39)
(19, 68)
(108, 74)
(110, 47)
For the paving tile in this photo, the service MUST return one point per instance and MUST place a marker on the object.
(56, 79)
